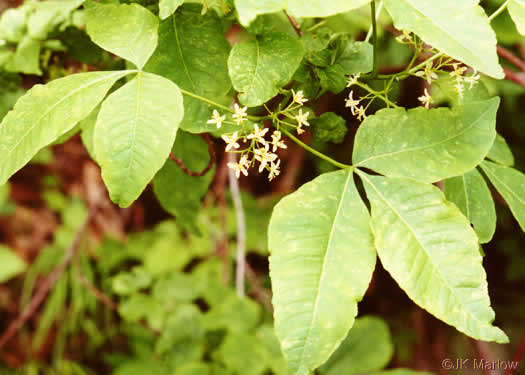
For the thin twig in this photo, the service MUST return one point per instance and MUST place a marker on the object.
(294, 24)
(512, 58)
(240, 269)
(261, 294)
(98, 294)
(211, 151)
(47, 285)
(514, 77)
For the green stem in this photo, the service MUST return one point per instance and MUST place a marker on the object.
(376, 93)
(371, 29)
(315, 152)
(215, 104)
(499, 10)
(374, 37)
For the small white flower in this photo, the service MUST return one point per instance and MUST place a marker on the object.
(216, 118)
(459, 89)
(298, 97)
(473, 79)
(240, 167)
(258, 134)
(276, 141)
(458, 71)
(352, 103)
(302, 118)
(360, 113)
(352, 80)
(274, 170)
(240, 114)
(428, 73)
(231, 141)
(426, 99)
(264, 157)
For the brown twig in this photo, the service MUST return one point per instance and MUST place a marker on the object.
(514, 77)
(259, 291)
(294, 24)
(512, 58)
(47, 285)
(185, 169)
(98, 294)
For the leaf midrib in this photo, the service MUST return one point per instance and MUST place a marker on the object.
(179, 49)
(37, 123)
(409, 227)
(428, 145)
(323, 268)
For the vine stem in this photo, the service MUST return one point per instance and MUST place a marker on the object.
(374, 37)
(215, 104)
(313, 151)
(499, 10)
(376, 93)
(240, 269)
(371, 29)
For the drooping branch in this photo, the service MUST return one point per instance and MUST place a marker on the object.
(512, 58)
(294, 24)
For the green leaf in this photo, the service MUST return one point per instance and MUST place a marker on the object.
(355, 57)
(510, 183)
(501, 152)
(460, 29)
(193, 53)
(332, 78)
(426, 145)
(168, 7)
(329, 127)
(87, 132)
(368, 347)
(13, 23)
(176, 287)
(11, 263)
(472, 196)
(26, 58)
(199, 368)
(47, 15)
(243, 353)
(322, 259)
(517, 12)
(430, 249)
(128, 31)
(46, 112)
(234, 314)
(126, 283)
(135, 131)
(179, 193)
(258, 68)
(249, 9)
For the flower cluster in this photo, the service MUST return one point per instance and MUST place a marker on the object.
(258, 149)
(458, 75)
(356, 109)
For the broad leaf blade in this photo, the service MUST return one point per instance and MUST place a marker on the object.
(128, 31)
(179, 193)
(426, 145)
(321, 263)
(249, 9)
(501, 152)
(472, 196)
(517, 12)
(430, 249)
(46, 112)
(510, 183)
(460, 29)
(368, 347)
(193, 53)
(134, 133)
(168, 7)
(258, 68)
